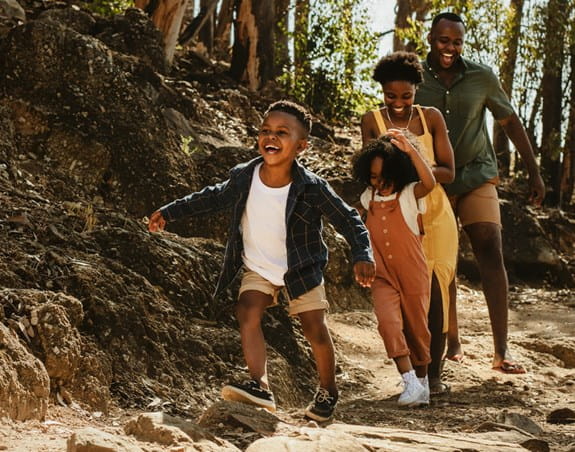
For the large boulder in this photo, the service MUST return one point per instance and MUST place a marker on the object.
(24, 382)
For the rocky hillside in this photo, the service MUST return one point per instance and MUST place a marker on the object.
(95, 133)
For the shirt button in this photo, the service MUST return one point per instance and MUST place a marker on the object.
(386, 243)
(446, 92)
(447, 111)
(385, 231)
(389, 256)
(383, 218)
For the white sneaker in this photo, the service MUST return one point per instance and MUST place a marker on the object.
(425, 383)
(413, 392)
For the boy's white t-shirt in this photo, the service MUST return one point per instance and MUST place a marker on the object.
(264, 230)
(409, 205)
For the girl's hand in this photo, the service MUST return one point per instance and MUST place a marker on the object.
(399, 139)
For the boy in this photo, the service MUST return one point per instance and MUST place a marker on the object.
(275, 234)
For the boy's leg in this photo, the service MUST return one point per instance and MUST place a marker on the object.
(311, 308)
(315, 329)
(250, 309)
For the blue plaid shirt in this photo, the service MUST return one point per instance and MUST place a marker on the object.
(310, 198)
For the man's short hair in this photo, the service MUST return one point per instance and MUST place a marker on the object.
(448, 16)
(296, 110)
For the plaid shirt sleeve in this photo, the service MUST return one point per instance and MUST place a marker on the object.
(347, 222)
(210, 199)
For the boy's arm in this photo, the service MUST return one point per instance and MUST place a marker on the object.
(208, 200)
(347, 222)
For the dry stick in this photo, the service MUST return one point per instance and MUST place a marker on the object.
(192, 30)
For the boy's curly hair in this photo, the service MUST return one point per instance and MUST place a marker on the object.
(400, 65)
(398, 170)
(296, 110)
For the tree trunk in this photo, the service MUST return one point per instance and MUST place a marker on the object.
(552, 96)
(253, 52)
(302, 65)
(301, 32)
(281, 37)
(507, 74)
(167, 15)
(405, 10)
(568, 170)
(222, 38)
(206, 33)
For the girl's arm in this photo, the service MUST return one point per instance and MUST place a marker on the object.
(426, 177)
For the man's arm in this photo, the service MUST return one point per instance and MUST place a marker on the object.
(516, 133)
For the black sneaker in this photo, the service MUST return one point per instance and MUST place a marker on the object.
(250, 392)
(322, 406)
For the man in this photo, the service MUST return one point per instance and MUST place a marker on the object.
(464, 90)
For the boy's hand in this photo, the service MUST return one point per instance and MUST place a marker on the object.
(364, 273)
(156, 222)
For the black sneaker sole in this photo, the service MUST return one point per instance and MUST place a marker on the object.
(239, 395)
(317, 417)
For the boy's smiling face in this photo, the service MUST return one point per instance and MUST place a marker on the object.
(281, 138)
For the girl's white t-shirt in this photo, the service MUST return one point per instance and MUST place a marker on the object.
(409, 205)
(264, 230)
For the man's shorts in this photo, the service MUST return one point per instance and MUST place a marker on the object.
(309, 301)
(477, 206)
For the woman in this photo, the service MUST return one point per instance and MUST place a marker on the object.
(399, 74)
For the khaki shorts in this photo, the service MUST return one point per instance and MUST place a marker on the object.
(309, 301)
(477, 206)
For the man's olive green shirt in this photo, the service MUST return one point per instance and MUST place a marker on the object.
(464, 105)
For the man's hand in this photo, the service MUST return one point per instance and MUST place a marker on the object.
(156, 222)
(364, 273)
(537, 190)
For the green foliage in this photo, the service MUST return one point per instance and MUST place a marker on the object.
(108, 8)
(339, 51)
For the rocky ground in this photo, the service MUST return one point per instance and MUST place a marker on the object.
(485, 410)
(102, 323)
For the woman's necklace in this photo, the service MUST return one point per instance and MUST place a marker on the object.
(397, 127)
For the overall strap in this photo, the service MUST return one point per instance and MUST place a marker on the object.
(379, 120)
(422, 118)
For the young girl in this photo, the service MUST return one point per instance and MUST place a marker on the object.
(399, 74)
(398, 179)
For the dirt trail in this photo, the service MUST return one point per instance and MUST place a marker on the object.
(542, 324)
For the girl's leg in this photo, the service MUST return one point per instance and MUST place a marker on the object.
(315, 329)
(387, 310)
(249, 312)
(403, 364)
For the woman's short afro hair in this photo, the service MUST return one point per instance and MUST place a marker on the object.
(399, 66)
